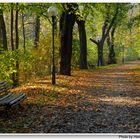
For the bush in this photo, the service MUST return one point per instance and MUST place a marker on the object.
(8, 61)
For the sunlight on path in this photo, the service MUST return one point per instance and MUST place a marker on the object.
(98, 100)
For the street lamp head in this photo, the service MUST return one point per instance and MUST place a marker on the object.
(52, 11)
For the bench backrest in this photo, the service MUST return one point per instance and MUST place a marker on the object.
(4, 87)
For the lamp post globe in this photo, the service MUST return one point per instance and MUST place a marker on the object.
(52, 12)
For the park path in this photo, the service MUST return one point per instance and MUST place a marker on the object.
(98, 101)
(102, 100)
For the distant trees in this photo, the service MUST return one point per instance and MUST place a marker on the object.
(24, 26)
(107, 25)
(113, 15)
(37, 31)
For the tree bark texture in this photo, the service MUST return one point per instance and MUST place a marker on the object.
(23, 31)
(12, 40)
(16, 79)
(67, 21)
(83, 44)
(3, 31)
(37, 31)
(1, 44)
(16, 28)
(110, 43)
(12, 28)
(100, 61)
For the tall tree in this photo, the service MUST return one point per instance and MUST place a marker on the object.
(120, 21)
(3, 31)
(110, 43)
(67, 21)
(23, 31)
(12, 39)
(16, 83)
(37, 31)
(12, 27)
(16, 27)
(83, 42)
(105, 31)
(15, 76)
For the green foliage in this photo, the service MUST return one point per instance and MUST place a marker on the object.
(37, 62)
(43, 55)
(92, 53)
(75, 48)
(8, 60)
(75, 53)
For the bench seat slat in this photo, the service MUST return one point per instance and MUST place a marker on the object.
(2, 97)
(8, 99)
(15, 102)
(3, 83)
(17, 99)
(3, 87)
(11, 99)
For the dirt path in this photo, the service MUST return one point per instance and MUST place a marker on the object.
(105, 101)
(95, 101)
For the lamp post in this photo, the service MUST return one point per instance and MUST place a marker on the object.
(52, 12)
(123, 59)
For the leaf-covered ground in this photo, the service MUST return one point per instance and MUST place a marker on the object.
(103, 100)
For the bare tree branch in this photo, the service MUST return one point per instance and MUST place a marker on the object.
(94, 41)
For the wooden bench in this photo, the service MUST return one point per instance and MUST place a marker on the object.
(8, 99)
(91, 66)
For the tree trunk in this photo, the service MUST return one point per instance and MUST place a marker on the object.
(16, 82)
(111, 56)
(110, 42)
(3, 31)
(105, 32)
(12, 40)
(100, 54)
(16, 28)
(1, 43)
(66, 27)
(12, 20)
(83, 44)
(112, 59)
(37, 31)
(23, 31)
